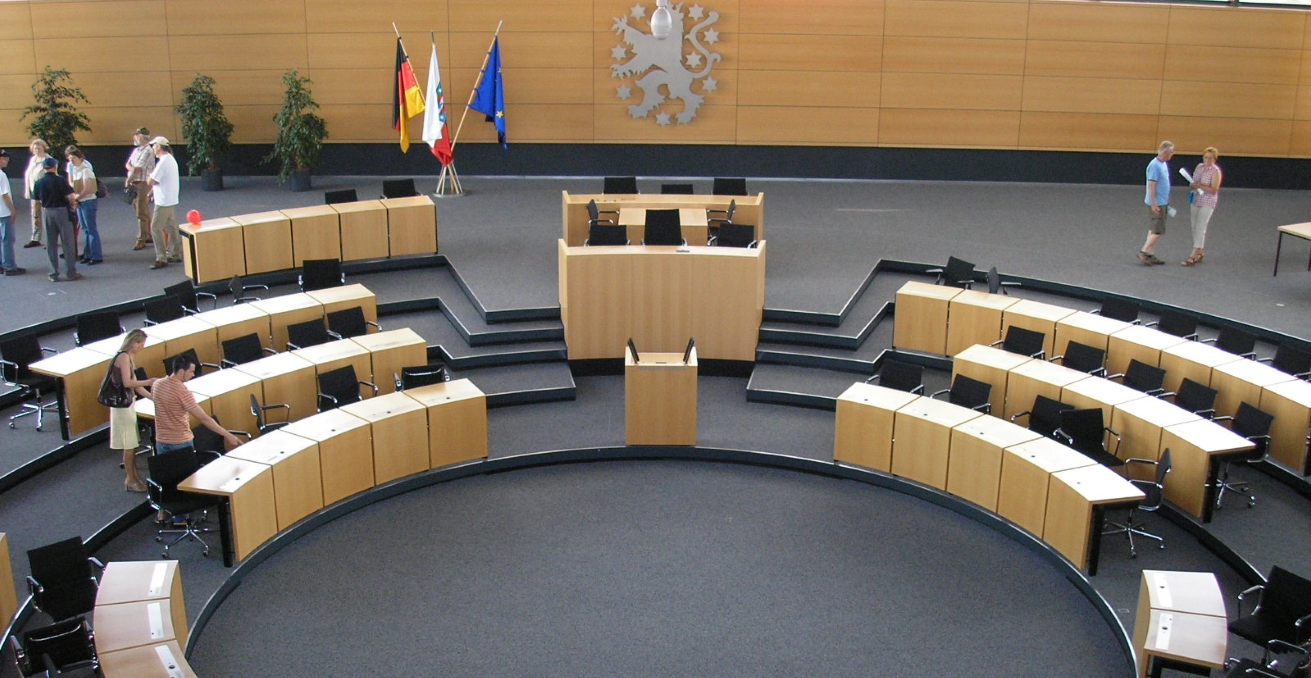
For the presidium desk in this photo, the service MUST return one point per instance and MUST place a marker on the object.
(750, 210)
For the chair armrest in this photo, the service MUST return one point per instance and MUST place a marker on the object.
(1040, 355)
(918, 390)
(276, 406)
(211, 365)
(985, 408)
(1277, 646)
(1160, 393)
(1223, 418)
(999, 342)
(370, 385)
(4, 374)
(227, 363)
(212, 297)
(323, 396)
(1259, 588)
(1017, 415)
(1113, 377)
(397, 379)
(291, 346)
(1068, 438)
(34, 587)
(1137, 460)
(1118, 440)
(254, 287)
(935, 394)
(335, 335)
(154, 492)
(376, 326)
(147, 322)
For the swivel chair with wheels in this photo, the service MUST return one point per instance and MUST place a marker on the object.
(599, 235)
(421, 375)
(1045, 415)
(713, 224)
(1083, 358)
(1023, 341)
(729, 186)
(1155, 491)
(996, 284)
(900, 375)
(163, 309)
(1196, 398)
(1290, 360)
(1233, 340)
(200, 367)
(16, 358)
(968, 392)
(244, 349)
(735, 235)
(61, 580)
(350, 322)
(1117, 308)
(55, 649)
(619, 185)
(260, 411)
(1177, 323)
(306, 334)
(398, 188)
(340, 387)
(320, 274)
(1253, 424)
(96, 326)
(663, 227)
(1140, 376)
(1282, 611)
(344, 195)
(957, 273)
(178, 507)
(187, 293)
(238, 288)
(1085, 431)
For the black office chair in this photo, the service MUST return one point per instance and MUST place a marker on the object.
(340, 387)
(55, 649)
(1085, 431)
(620, 185)
(61, 579)
(594, 215)
(1235, 341)
(901, 376)
(163, 309)
(209, 445)
(177, 506)
(320, 274)
(187, 293)
(244, 349)
(344, 195)
(306, 334)
(350, 322)
(238, 288)
(260, 411)
(1253, 424)
(968, 392)
(735, 235)
(677, 189)
(713, 224)
(1290, 360)
(729, 186)
(663, 227)
(1282, 612)
(398, 188)
(16, 358)
(996, 284)
(200, 367)
(1083, 358)
(421, 375)
(1196, 397)
(96, 326)
(1117, 308)
(1271, 666)
(1140, 376)
(1155, 491)
(600, 235)
(1177, 323)
(1023, 342)
(957, 273)
(1045, 415)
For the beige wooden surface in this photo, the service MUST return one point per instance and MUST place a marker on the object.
(921, 439)
(660, 399)
(144, 662)
(922, 312)
(238, 320)
(1086, 328)
(287, 379)
(1139, 423)
(1290, 403)
(1036, 316)
(1137, 342)
(248, 486)
(595, 294)
(1192, 360)
(1025, 478)
(1071, 496)
(297, 479)
(340, 353)
(1241, 382)
(345, 451)
(150, 358)
(399, 427)
(285, 310)
(229, 393)
(363, 230)
(974, 317)
(391, 350)
(213, 250)
(1100, 393)
(411, 225)
(974, 464)
(268, 241)
(863, 425)
(135, 581)
(1192, 445)
(457, 421)
(662, 299)
(750, 210)
(8, 594)
(343, 297)
(315, 233)
(991, 366)
(81, 370)
(1029, 380)
(1197, 639)
(127, 625)
(184, 333)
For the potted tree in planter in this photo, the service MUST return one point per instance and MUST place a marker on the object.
(206, 130)
(300, 133)
(55, 117)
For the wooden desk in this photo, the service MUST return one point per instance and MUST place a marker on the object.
(150, 358)
(297, 479)
(1242, 381)
(1103, 394)
(213, 250)
(692, 220)
(400, 434)
(660, 399)
(974, 317)
(267, 237)
(920, 322)
(1036, 316)
(145, 581)
(340, 353)
(128, 625)
(363, 230)
(921, 439)
(863, 425)
(1027, 381)
(1026, 471)
(8, 594)
(750, 209)
(1076, 503)
(1290, 403)
(411, 225)
(390, 351)
(285, 378)
(1162, 591)
(655, 295)
(229, 393)
(315, 233)
(342, 297)
(345, 451)
(182, 334)
(1195, 640)
(285, 310)
(1302, 231)
(1192, 360)
(992, 366)
(160, 660)
(457, 421)
(1136, 342)
(79, 372)
(239, 320)
(247, 510)
(1086, 328)
(1139, 423)
(974, 463)
(1197, 449)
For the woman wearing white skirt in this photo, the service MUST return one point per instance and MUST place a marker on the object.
(123, 420)
(1206, 187)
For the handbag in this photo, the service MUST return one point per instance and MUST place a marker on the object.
(101, 190)
(112, 392)
(130, 194)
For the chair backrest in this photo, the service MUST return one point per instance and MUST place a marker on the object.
(1085, 427)
(606, 234)
(994, 281)
(592, 212)
(185, 293)
(1083, 358)
(677, 189)
(422, 375)
(96, 326)
(1195, 397)
(243, 349)
(191, 352)
(1143, 377)
(968, 392)
(1045, 417)
(67, 644)
(729, 186)
(621, 185)
(1117, 308)
(957, 272)
(1251, 422)
(1287, 597)
(341, 385)
(1177, 323)
(1023, 341)
(64, 572)
(663, 227)
(398, 188)
(318, 274)
(22, 350)
(1236, 341)
(348, 322)
(1156, 492)
(901, 376)
(308, 333)
(238, 290)
(205, 441)
(344, 195)
(1291, 360)
(163, 309)
(736, 235)
(170, 468)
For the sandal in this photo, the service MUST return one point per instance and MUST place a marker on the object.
(1193, 260)
(137, 487)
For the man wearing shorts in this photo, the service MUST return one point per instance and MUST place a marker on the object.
(1158, 202)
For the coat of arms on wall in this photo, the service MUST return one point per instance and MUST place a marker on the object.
(678, 63)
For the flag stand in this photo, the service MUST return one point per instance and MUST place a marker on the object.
(448, 183)
(449, 175)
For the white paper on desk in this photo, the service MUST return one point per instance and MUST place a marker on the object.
(1184, 173)
(1163, 631)
(155, 616)
(157, 579)
(1163, 596)
(167, 660)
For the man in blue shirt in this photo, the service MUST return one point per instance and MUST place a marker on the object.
(1158, 202)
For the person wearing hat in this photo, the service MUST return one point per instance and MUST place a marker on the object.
(165, 184)
(57, 200)
(7, 264)
(140, 164)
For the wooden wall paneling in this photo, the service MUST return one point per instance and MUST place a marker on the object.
(234, 17)
(723, 325)
(661, 298)
(1237, 27)
(812, 89)
(15, 21)
(761, 51)
(1227, 100)
(543, 123)
(1088, 131)
(938, 128)
(254, 124)
(1300, 146)
(14, 129)
(1233, 64)
(17, 57)
(786, 125)
(715, 123)
(1128, 22)
(1092, 95)
(1085, 59)
(115, 125)
(122, 18)
(99, 55)
(955, 19)
(1233, 136)
(217, 52)
(334, 16)
(550, 86)
(375, 51)
(239, 88)
(353, 86)
(600, 295)
(537, 49)
(814, 17)
(133, 88)
(953, 91)
(917, 54)
(358, 123)
(1302, 110)
(550, 17)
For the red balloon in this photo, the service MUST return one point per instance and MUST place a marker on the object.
(194, 217)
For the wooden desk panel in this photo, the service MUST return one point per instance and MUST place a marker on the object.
(595, 296)
(863, 425)
(1099, 393)
(287, 379)
(750, 209)
(400, 434)
(363, 230)
(297, 479)
(660, 399)
(128, 625)
(1192, 360)
(921, 439)
(1026, 476)
(1086, 328)
(248, 488)
(8, 594)
(457, 421)
(1197, 639)
(239, 320)
(342, 297)
(1070, 524)
(79, 371)
(662, 280)
(184, 333)
(411, 225)
(724, 325)
(340, 353)
(315, 233)
(390, 351)
(1242, 381)
(150, 358)
(1290, 403)
(229, 393)
(143, 581)
(1026, 382)
(213, 250)
(974, 464)
(974, 317)
(285, 310)
(1136, 342)
(1036, 316)
(1193, 447)
(160, 660)
(345, 451)
(1139, 423)
(920, 323)
(267, 238)
(991, 366)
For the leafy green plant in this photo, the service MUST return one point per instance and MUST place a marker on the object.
(300, 131)
(55, 117)
(204, 126)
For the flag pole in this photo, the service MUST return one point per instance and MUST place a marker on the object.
(448, 177)
(474, 92)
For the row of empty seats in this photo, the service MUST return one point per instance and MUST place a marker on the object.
(720, 186)
(391, 188)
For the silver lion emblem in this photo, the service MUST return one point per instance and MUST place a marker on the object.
(668, 62)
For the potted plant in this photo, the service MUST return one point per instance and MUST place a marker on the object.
(206, 130)
(55, 117)
(300, 133)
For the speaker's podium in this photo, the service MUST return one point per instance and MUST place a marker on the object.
(660, 397)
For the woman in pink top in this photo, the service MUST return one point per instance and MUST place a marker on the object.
(1206, 183)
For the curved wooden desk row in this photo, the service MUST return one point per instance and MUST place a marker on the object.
(947, 320)
(80, 370)
(1047, 488)
(630, 211)
(218, 249)
(140, 620)
(660, 296)
(1181, 618)
(1148, 425)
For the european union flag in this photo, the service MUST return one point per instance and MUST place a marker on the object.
(490, 99)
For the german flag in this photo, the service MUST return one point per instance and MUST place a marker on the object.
(408, 99)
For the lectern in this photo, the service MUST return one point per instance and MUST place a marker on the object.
(660, 397)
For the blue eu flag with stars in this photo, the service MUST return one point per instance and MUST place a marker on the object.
(490, 98)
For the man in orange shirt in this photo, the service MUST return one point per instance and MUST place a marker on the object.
(173, 402)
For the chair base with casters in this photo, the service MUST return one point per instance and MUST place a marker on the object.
(1154, 489)
(186, 525)
(39, 409)
(1239, 487)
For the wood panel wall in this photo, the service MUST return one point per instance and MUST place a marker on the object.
(992, 74)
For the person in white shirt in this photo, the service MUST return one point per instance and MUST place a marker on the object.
(164, 184)
(7, 264)
(83, 178)
(139, 166)
(34, 172)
